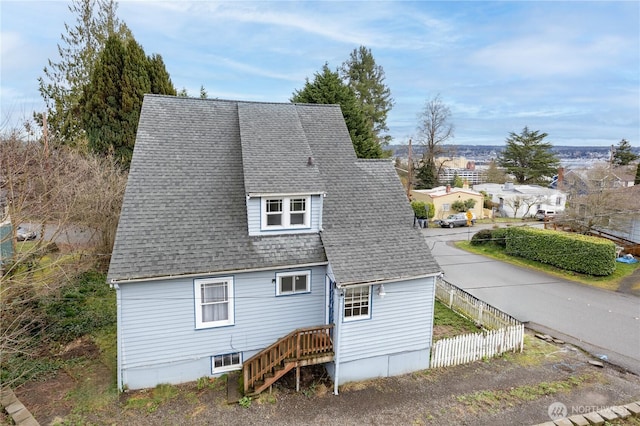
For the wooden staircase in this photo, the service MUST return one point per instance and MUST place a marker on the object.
(301, 347)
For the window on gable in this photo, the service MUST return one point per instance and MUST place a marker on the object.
(297, 211)
(293, 282)
(357, 302)
(285, 213)
(213, 302)
(274, 212)
(226, 362)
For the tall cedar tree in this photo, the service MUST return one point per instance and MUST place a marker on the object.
(366, 79)
(328, 88)
(623, 154)
(528, 157)
(113, 99)
(63, 82)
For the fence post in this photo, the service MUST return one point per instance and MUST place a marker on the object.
(480, 314)
(450, 297)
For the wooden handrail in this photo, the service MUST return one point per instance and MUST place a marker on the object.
(299, 344)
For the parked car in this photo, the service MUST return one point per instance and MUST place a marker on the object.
(458, 219)
(543, 214)
(23, 234)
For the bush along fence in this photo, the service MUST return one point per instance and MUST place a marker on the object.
(502, 332)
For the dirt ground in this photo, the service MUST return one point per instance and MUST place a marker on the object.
(515, 389)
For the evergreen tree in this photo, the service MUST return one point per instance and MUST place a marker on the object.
(159, 77)
(328, 88)
(112, 100)
(427, 176)
(623, 154)
(63, 82)
(636, 181)
(102, 102)
(528, 157)
(366, 79)
(457, 181)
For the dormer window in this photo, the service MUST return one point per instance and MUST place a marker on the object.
(285, 212)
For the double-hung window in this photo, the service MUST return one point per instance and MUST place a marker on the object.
(213, 302)
(293, 282)
(357, 303)
(285, 212)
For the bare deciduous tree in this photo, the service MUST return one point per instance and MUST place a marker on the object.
(61, 194)
(434, 129)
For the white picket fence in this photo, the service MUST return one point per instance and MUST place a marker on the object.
(473, 347)
(471, 307)
(504, 333)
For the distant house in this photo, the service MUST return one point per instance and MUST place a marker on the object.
(443, 197)
(523, 200)
(251, 238)
(582, 181)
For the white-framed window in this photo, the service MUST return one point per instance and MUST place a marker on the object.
(226, 362)
(213, 302)
(357, 303)
(286, 212)
(445, 207)
(293, 282)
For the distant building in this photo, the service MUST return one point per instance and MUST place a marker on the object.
(443, 197)
(460, 166)
(523, 200)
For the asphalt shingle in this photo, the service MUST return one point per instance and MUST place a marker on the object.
(196, 160)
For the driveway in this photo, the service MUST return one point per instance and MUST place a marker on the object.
(605, 323)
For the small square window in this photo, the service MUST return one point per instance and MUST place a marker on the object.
(293, 282)
(226, 362)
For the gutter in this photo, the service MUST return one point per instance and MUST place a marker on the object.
(114, 281)
(388, 280)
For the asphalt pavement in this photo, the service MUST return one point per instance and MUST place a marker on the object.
(604, 323)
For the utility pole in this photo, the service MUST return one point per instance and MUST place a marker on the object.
(410, 168)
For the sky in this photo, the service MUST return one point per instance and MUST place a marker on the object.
(570, 69)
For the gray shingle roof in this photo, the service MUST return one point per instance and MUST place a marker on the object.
(195, 160)
(368, 223)
(268, 135)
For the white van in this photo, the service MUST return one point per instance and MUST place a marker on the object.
(543, 214)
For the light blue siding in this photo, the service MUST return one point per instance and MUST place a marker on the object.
(397, 337)
(158, 342)
(254, 217)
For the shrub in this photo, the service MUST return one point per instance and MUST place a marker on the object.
(499, 236)
(81, 307)
(573, 252)
(481, 237)
(423, 210)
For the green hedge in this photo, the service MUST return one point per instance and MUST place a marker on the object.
(573, 252)
(499, 236)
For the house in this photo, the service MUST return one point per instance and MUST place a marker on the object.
(442, 198)
(523, 200)
(249, 239)
(598, 177)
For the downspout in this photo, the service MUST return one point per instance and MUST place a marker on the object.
(338, 328)
(118, 335)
